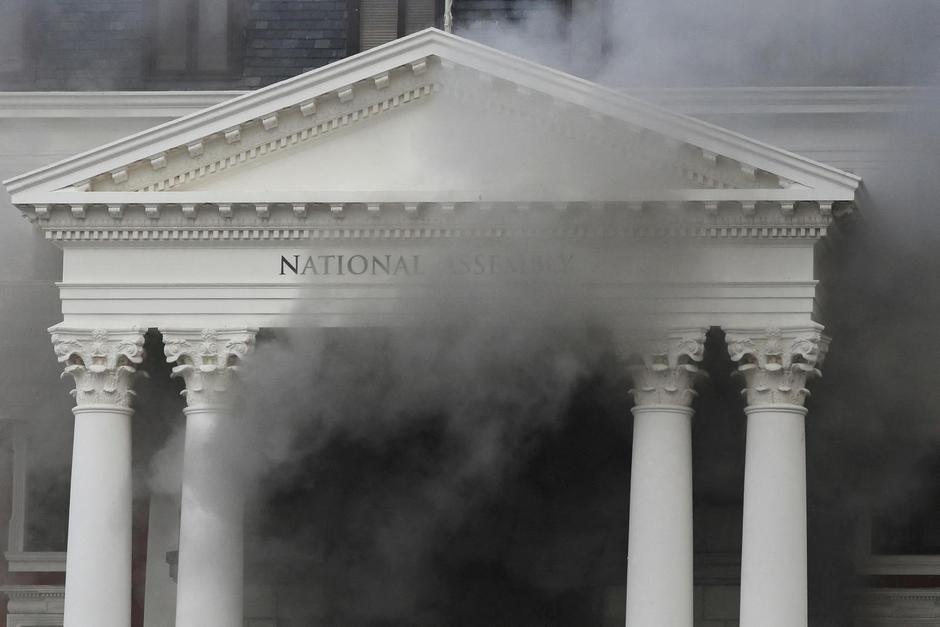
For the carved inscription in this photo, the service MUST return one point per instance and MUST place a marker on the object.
(396, 265)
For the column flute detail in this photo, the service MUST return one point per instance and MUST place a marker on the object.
(98, 568)
(776, 365)
(659, 566)
(211, 561)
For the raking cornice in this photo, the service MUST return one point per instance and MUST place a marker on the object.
(415, 52)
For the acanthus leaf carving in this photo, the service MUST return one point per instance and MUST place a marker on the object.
(102, 362)
(668, 369)
(207, 360)
(776, 364)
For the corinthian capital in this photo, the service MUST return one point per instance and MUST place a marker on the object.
(101, 361)
(668, 370)
(776, 363)
(207, 360)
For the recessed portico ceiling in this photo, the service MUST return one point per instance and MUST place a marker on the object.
(191, 158)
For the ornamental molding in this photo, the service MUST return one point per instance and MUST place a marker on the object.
(248, 221)
(34, 605)
(207, 360)
(777, 363)
(172, 209)
(102, 362)
(395, 67)
(134, 236)
(667, 368)
(50, 595)
(243, 144)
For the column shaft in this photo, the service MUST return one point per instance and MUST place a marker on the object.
(103, 363)
(773, 560)
(211, 563)
(98, 571)
(776, 364)
(659, 568)
(210, 589)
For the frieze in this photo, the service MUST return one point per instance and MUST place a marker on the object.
(470, 264)
(423, 220)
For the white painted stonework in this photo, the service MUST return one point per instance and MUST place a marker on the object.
(373, 182)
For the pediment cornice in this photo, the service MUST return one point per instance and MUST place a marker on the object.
(256, 139)
(425, 65)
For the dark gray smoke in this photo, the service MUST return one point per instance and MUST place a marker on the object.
(872, 431)
(875, 443)
(387, 444)
(404, 475)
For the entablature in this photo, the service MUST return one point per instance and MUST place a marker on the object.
(345, 218)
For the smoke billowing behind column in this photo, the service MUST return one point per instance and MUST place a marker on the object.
(385, 459)
(872, 432)
(864, 448)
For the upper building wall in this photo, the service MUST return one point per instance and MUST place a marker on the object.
(99, 45)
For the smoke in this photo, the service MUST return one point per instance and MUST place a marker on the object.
(874, 451)
(392, 466)
(390, 462)
(692, 43)
(392, 438)
(877, 452)
(402, 463)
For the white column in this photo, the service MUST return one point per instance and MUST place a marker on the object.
(776, 365)
(98, 566)
(659, 566)
(210, 582)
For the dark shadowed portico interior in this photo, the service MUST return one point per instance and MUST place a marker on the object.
(383, 530)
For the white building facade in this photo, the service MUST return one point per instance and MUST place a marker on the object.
(365, 186)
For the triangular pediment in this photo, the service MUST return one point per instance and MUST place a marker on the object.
(437, 116)
(439, 139)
